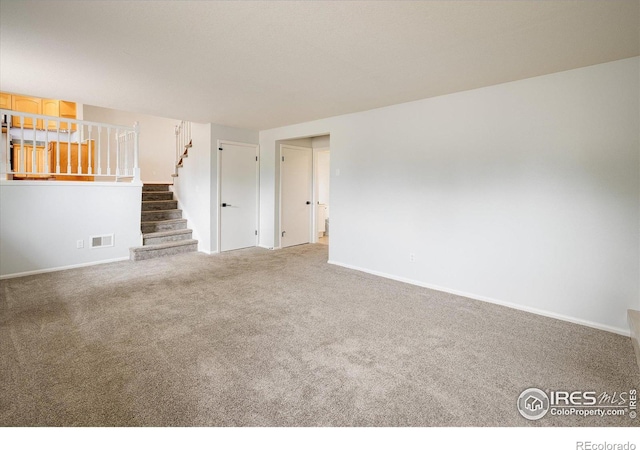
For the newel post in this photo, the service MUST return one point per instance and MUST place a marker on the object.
(136, 152)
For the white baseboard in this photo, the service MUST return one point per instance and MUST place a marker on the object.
(528, 309)
(57, 269)
(268, 248)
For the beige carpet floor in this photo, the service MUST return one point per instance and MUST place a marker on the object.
(281, 338)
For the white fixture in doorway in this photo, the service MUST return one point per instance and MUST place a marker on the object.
(237, 195)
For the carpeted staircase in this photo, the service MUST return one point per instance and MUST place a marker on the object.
(164, 231)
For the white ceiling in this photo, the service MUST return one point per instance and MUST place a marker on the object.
(265, 64)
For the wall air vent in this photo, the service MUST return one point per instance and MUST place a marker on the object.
(102, 241)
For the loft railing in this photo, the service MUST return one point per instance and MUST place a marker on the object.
(183, 143)
(42, 147)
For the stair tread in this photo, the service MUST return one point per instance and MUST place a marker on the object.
(170, 244)
(160, 210)
(157, 234)
(162, 221)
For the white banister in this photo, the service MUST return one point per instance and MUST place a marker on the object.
(91, 147)
(136, 152)
(183, 142)
(89, 151)
(68, 148)
(79, 156)
(117, 153)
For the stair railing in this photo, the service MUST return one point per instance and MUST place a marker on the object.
(43, 147)
(183, 143)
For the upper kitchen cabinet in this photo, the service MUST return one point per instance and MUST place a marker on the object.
(67, 111)
(36, 105)
(5, 100)
(50, 107)
(31, 105)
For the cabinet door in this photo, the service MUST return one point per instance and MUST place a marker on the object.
(51, 107)
(69, 160)
(67, 111)
(5, 100)
(23, 159)
(29, 105)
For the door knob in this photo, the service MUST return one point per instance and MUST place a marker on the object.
(308, 203)
(224, 205)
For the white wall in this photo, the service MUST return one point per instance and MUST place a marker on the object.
(157, 140)
(525, 193)
(321, 141)
(196, 186)
(40, 223)
(192, 186)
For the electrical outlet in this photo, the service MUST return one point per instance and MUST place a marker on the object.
(412, 257)
(80, 243)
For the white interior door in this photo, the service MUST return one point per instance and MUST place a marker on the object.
(238, 195)
(296, 195)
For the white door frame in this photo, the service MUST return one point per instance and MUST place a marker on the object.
(315, 189)
(220, 144)
(312, 239)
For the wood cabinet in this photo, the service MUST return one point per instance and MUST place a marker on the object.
(24, 159)
(46, 161)
(67, 111)
(5, 100)
(44, 106)
(31, 105)
(70, 155)
(50, 107)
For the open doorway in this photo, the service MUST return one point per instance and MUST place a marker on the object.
(304, 191)
(322, 177)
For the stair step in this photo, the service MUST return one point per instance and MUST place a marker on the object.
(152, 216)
(159, 205)
(164, 249)
(162, 187)
(146, 196)
(166, 236)
(163, 225)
